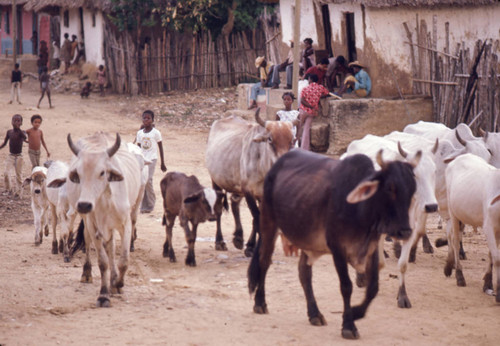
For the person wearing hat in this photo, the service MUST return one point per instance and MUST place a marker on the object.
(265, 71)
(361, 83)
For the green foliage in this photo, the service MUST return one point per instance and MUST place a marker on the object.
(131, 14)
(211, 15)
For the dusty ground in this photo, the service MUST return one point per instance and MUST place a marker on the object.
(42, 301)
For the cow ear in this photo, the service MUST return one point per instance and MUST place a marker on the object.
(363, 191)
(26, 182)
(114, 175)
(260, 138)
(193, 198)
(57, 183)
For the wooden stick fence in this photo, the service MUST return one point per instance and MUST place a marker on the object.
(173, 61)
(463, 88)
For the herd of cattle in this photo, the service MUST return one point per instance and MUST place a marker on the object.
(381, 187)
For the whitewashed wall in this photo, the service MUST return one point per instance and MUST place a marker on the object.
(94, 37)
(385, 30)
(74, 25)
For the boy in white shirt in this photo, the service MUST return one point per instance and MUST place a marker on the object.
(146, 138)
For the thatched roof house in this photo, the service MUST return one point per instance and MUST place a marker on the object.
(372, 31)
(38, 5)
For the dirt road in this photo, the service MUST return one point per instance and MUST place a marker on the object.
(42, 301)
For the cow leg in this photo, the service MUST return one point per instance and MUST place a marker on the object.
(87, 266)
(493, 239)
(103, 261)
(305, 277)
(453, 252)
(133, 237)
(488, 276)
(220, 244)
(238, 232)
(53, 212)
(261, 260)
(190, 240)
(124, 257)
(38, 217)
(403, 300)
(254, 209)
(168, 247)
(349, 330)
(426, 244)
(67, 223)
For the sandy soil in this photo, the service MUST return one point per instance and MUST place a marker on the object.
(42, 301)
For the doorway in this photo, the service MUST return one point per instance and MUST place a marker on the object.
(350, 36)
(325, 14)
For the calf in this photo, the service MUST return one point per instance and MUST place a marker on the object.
(473, 188)
(39, 201)
(337, 207)
(185, 197)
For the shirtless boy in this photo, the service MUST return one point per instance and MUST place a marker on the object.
(15, 137)
(35, 141)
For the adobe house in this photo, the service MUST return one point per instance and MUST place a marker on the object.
(372, 32)
(83, 18)
(27, 23)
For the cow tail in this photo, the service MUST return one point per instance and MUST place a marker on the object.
(254, 271)
(79, 243)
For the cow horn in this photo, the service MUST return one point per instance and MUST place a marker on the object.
(115, 147)
(483, 133)
(435, 147)
(380, 160)
(72, 146)
(460, 140)
(258, 119)
(401, 150)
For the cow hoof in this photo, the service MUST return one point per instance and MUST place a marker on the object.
(318, 320)
(221, 246)
(404, 302)
(67, 259)
(116, 290)
(103, 302)
(86, 279)
(46, 231)
(37, 243)
(461, 255)
(460, 278)
(360, 280)
(238, 243)
(350, 334)
(132, 248)
(61, 246)
(260, 309)
(173, 259)
(54, 248)
(191, 262)
(397, 249)
(249, 251)
(448, 268)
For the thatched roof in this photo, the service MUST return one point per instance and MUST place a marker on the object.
(37, 5)
(9, 2)
(413, 3)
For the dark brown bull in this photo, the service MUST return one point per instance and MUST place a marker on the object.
(185, 197)
(327, 206)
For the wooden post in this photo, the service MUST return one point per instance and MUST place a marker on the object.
(14, 31)
(296, 48)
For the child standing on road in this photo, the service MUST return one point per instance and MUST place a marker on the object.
(16, 81)
(146, 139)
(35, 141)
(15, 137)
(289, 114)
(101, 79)
(44, 86)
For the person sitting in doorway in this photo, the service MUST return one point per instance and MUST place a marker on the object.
(337, 67)
(360, 83)
(287, 66)
(265, 72)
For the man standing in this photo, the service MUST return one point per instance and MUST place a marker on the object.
(66, 52)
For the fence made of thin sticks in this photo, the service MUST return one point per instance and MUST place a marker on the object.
(464, 85)
(175, 61)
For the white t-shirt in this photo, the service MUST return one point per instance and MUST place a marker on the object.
(149, 143)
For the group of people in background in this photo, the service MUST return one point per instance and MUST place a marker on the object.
(331, 75)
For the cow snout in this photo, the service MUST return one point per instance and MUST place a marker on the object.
(84, 207)
(403, 234)
(37, 191)
(431, 208)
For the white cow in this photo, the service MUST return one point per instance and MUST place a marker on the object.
(424, 200)
(473, 188)
(39, 202)
(492, 142)
(61, 210)
(104, 185)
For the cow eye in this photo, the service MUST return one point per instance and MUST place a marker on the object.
(73, 176)
(102, 174)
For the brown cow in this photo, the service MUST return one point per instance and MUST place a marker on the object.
(185, 197)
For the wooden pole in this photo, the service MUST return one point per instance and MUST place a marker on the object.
(14, 31)
(296, 48)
